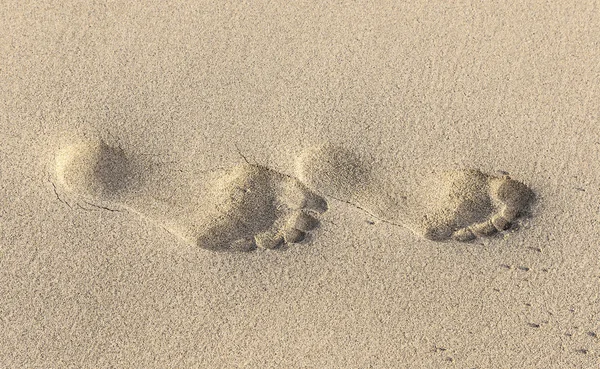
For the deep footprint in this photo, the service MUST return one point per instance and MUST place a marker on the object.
(238, 209)
(460, 205)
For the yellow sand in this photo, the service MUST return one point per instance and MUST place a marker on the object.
(419, 88)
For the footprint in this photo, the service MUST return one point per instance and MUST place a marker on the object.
(236, 209)
(460, 205)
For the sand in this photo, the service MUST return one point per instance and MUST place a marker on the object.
(299, 185)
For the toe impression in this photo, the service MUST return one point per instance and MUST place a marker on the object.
(269, 240)
(303, 222)
(293, 235)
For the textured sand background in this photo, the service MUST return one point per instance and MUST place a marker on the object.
(421, 87)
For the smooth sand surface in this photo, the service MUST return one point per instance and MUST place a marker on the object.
(139, 139)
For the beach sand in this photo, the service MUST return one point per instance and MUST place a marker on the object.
(400, 185)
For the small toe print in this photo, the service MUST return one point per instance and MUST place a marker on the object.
(315, 203)
(500, 223)
(303, 222)
(484, 229)
(245, 244)
(463, 235)
(269, 240)
(293, 235)
(509, 214)
(437, 233)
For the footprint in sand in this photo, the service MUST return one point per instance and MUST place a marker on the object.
(250, 206)
(237, 209)
(460, 205)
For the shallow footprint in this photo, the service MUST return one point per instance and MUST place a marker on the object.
(460, 205)
(237, 209)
